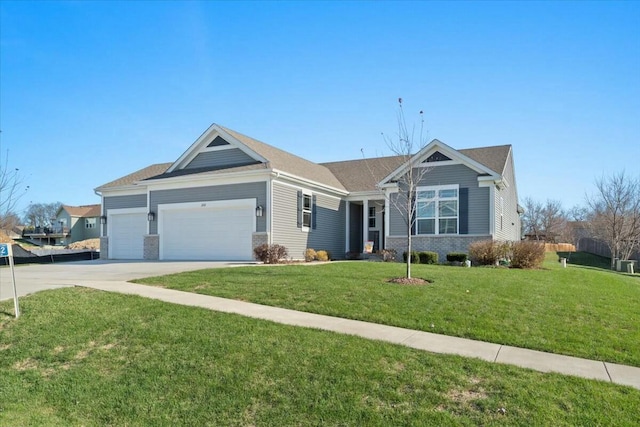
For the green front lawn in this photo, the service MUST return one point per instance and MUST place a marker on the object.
(83, 357)
(577, 311)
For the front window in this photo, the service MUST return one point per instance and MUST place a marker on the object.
(306, 210)
(372, 217)
(437, 210)
(90, 223)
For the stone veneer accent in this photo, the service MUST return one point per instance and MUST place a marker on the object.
(440, 244)
(151, 251)
(104, 248)
(259, 238)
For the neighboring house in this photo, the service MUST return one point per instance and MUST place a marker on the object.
(80, 222)
(229, 193)
(71, 224)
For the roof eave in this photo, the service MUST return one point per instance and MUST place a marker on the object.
(278, 173)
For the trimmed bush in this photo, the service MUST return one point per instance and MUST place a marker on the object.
(527, 254)
(353, 255)
(488, 252)
(388, 255)
(309, 255)
(322, 256)
(415, 258)
(427, 257)
(456, 257)
(270, 254)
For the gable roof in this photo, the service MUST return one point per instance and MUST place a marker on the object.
(84, 211)
(492, 155)
(286, 162)
(364, 174)
(350, 175)
(139, 175)
(495, 158)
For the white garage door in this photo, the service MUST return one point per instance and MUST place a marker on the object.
(222, 232)
(126, 238)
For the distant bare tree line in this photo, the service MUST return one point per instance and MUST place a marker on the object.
(611, 214)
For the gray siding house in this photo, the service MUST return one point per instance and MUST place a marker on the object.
(78, 223)
(229, 193)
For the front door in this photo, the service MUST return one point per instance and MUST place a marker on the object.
(374, 236)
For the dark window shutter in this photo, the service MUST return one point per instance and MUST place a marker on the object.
(314, 211)
(413, 214)
(463, 211)
(299, 209)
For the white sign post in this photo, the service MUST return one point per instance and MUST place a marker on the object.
(7, 252)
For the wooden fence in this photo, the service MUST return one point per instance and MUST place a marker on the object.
(559, 247)
(598, 247)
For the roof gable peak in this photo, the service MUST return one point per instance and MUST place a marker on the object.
(215, 138)
(440, 154)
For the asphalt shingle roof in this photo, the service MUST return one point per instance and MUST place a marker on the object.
(350, 175)
(364, 174)
(495, 158)
(139, 175)
(287, 162)
(84, 211)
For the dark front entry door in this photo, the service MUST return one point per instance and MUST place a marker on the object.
(374, 236)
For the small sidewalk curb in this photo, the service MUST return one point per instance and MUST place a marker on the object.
(420, 340)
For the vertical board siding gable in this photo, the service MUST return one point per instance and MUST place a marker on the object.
(221, 159)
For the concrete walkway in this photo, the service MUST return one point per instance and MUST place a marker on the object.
(536, 360)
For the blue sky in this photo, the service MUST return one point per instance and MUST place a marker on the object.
(92, 91)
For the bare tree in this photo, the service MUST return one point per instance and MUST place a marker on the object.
(578, 213)
(554, 220)
(532, 218)
(615, 214)
(544, 220)
(406, 144)
(41, 214)
(12, 188)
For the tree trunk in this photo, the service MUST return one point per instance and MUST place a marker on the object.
(409, 251)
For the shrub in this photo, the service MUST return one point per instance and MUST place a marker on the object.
(527, 254)
(488, 252)
(415, 258)
(456, 257)
(322, 256)
(309, 255)
(352, 255)
(427, 257)
(270, 254)
(388, 255)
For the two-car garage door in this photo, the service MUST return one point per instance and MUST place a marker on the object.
(207, 230)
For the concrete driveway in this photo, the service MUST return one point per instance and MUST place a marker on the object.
(38, 277)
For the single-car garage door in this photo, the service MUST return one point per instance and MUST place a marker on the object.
(126, 236)
(208, 231)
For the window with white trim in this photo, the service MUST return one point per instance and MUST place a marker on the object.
(90, 223)
(372, 217)
(437, 210)
(306, 210)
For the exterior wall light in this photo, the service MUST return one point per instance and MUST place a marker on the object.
(151, 216)
(259, 211)
(103, 220)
